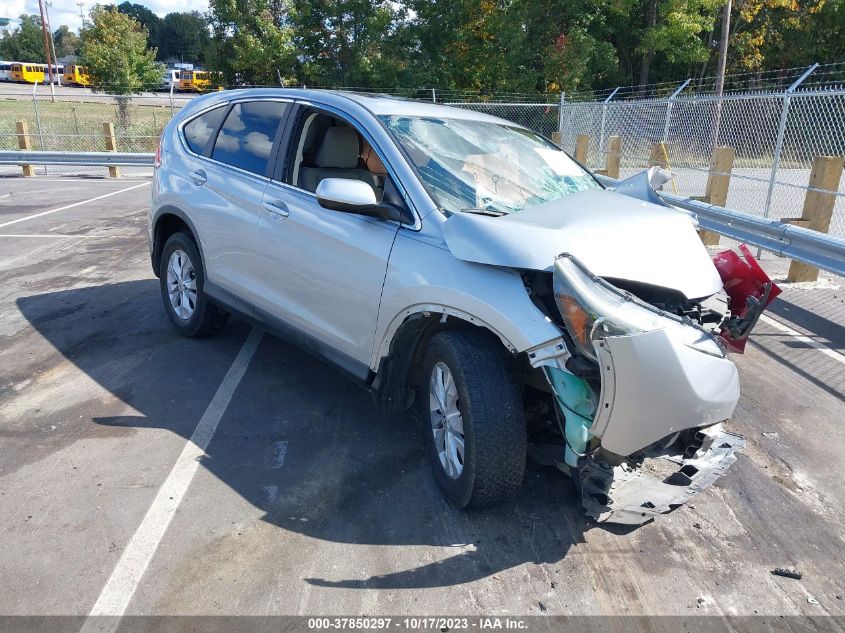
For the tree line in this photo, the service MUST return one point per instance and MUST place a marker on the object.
(177, 36)
(528, 46)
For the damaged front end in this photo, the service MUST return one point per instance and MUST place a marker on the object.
(642, 389)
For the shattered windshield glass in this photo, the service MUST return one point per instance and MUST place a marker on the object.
(486, 167)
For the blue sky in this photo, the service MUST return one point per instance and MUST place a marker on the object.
(67, 11)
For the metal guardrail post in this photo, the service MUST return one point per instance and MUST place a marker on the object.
(560, 107)
(784, 115)
(669, 105)
(172, 109)
(604, 117)
(38, 120)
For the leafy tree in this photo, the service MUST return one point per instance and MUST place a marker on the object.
(346, 42)
(184, 36)
(26, 42)
(147, 19)
(114, 49)
(676, 32)
(67, 42)
(521, 45)
(252, 40)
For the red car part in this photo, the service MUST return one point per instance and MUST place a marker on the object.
(749, 291)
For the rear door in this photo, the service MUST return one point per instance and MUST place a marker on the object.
(228, 180)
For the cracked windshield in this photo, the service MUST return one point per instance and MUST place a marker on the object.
(486, 167)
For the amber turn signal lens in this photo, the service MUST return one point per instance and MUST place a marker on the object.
(577, 318)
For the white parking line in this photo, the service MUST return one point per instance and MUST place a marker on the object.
(50, 235)
(71, 206)
(824, 349)
(124, 580)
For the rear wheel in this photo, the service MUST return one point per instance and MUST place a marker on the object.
(473, 418)
(182, 281)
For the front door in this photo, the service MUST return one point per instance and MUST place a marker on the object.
(323, 270)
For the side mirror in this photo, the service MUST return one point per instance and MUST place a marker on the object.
(344, 194)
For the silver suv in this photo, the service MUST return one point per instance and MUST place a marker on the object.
(466, 266)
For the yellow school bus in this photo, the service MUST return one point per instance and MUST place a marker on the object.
(28, 73)
(76, 75)
(194, 80)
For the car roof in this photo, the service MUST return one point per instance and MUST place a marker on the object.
(378, 104)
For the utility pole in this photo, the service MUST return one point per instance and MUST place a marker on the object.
(720, 77)
(47, 6)
(81, 4)
(46, 41)
(723, 49)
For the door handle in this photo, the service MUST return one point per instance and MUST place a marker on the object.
(276, 208)
(199, 177)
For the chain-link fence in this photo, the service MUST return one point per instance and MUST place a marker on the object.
(776, 136)
(72, 120)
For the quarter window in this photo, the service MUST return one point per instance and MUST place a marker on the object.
(246, 138)
(199, 130)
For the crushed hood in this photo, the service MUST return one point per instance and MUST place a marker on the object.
(614, 235)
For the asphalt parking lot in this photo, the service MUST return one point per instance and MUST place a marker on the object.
(306, 501)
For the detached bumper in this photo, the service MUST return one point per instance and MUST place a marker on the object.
(654, 384)
(659, 418)
(635, 491)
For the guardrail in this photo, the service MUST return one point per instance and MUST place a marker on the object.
(78, 159)
(787, 240)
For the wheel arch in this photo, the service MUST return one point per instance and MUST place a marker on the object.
(401, 354)
(169, 220)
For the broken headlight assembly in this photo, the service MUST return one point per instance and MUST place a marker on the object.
(593, 309)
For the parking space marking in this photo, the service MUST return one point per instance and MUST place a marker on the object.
(124, 580)
(824, 349)
(71, 206)
(50, 235)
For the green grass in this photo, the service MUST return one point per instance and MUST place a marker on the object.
(78, 125)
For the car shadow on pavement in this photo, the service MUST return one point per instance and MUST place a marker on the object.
(303, 444)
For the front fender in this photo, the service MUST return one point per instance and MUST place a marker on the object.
(424, 276)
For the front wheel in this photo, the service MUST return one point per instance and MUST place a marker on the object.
(182, 282)
(473, 418)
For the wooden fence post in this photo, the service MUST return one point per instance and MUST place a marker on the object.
(25, 144)
(718, 181)
(614, 155)
(818, 207)
(111, 146)
(659, 156)
(582, 142)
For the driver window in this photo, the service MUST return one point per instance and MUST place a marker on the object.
(329, 147)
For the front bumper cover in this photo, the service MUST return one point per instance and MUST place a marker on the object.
(655, 481)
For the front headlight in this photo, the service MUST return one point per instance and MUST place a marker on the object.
(593, 309)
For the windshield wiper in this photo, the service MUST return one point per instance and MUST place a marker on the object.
(491, 212)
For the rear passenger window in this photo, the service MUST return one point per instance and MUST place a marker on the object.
(246, 138)
(199, 130)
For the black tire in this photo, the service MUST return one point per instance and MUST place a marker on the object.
(206, 317)
(491, 407)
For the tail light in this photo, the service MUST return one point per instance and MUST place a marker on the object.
(157, 159)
